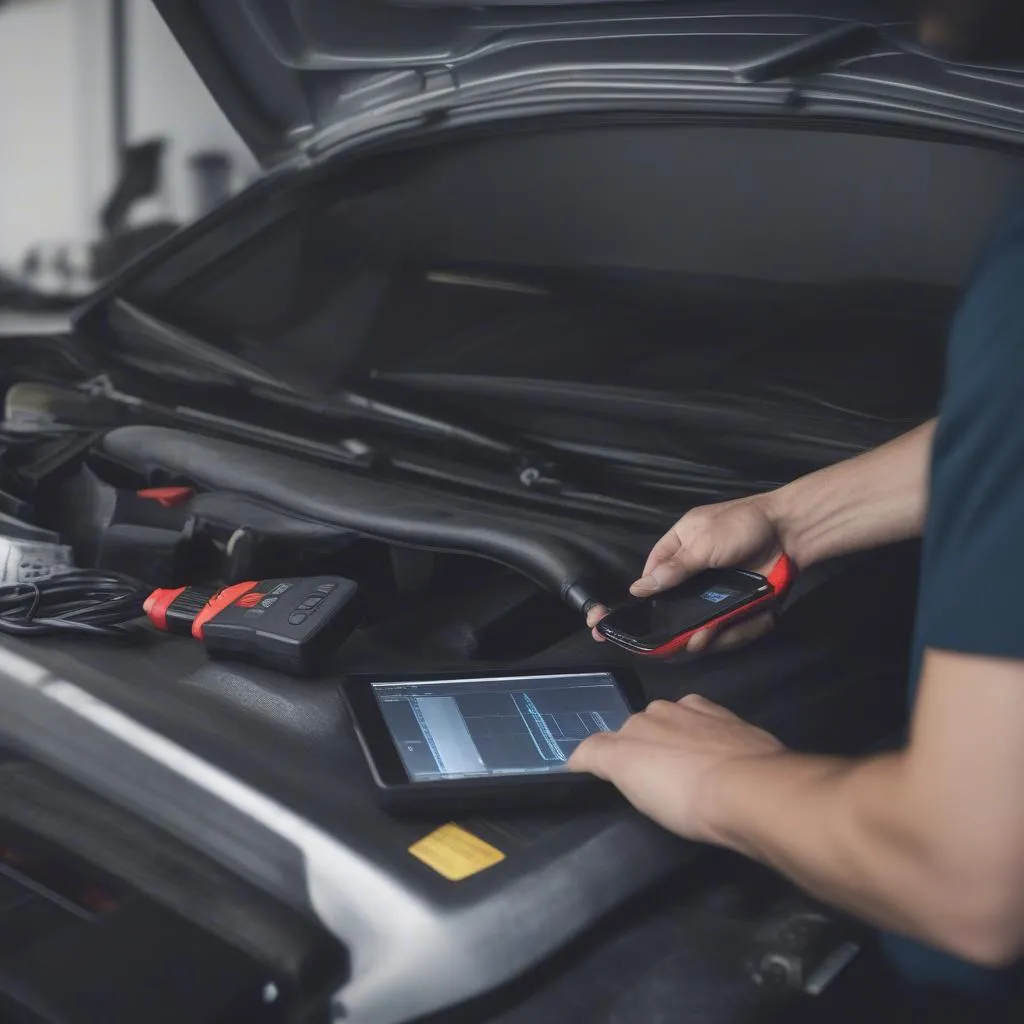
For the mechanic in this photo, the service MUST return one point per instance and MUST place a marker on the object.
(926, 842)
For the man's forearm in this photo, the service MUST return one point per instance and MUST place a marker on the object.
(874, 499)
(928, 841)
(849, 832)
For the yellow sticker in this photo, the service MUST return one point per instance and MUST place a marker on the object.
(455, 853)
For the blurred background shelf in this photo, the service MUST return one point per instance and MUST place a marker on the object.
(32, 323)
(82, 83)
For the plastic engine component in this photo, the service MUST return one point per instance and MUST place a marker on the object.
(565, 558)
(23, 561)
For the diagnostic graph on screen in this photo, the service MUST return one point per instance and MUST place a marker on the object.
(512, 725)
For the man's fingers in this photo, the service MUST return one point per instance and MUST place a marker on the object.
(594, 616)
(745, 632)
(667, 574)
(657, 708)
(700, 641)
(695, 702)
(734, 636)
(662, 551)
(595, 755)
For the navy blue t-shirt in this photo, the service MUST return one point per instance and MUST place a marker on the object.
(973, 553)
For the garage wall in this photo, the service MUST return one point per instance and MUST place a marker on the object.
(56, 148)
(169, 99)
(40, 195)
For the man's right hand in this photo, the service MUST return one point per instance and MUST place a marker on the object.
(877, 498)
(741, 534)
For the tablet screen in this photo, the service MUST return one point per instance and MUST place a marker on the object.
(511, 725)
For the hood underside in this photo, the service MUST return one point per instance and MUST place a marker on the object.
(294, 75)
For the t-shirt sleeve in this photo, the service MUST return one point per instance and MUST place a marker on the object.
(972, 579)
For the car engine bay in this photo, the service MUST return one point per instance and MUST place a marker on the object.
(339, 387)
(150, 719)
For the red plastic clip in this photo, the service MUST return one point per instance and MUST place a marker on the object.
(169, 497)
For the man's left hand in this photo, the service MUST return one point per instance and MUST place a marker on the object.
(665, 760)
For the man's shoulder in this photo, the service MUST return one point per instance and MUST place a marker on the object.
(987, 338)
(1008, 235)
(975, 528)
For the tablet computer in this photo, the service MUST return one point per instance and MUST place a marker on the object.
(485, 738)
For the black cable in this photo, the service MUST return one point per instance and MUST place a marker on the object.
(82, 601)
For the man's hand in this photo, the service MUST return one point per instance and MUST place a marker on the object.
(876, 498)
(734, 534)
(664, 760)
(928, 841)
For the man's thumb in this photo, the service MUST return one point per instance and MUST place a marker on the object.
(663, 576)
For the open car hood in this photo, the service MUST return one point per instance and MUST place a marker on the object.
(287, 72)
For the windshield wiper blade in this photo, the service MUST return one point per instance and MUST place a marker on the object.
(368, 407)
(353, 453)
(809, 53)
(535, 467)
(196, 359)
(567, 497)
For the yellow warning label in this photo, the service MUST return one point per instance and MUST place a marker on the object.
(455, 853)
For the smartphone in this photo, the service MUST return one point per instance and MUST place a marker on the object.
(482, 740)
(661, 626)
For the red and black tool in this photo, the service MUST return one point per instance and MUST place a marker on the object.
(661, 626)
(291, 625)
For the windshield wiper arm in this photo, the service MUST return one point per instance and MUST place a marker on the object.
(211, 366)
(809, 53)
(368, 407)
(534, 468)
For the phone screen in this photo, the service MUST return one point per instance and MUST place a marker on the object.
(655, 621)
(483, 727)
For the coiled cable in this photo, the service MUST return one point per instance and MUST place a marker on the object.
(80, 601)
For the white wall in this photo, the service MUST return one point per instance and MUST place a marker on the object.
(56, 148)
(39, 191)
(169, 99)
(90, 80)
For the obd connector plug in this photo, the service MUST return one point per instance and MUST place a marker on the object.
(291, 625)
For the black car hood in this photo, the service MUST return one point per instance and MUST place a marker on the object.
(288, 71)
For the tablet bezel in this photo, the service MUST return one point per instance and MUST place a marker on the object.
(385, 761)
